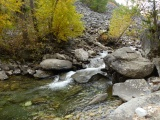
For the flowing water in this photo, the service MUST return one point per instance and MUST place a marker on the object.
(24, 98)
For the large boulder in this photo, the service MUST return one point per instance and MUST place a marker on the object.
(56, 64)
(131, 88)
(81, 54)
(83, 76)
(3, 75)
(129, 63)
(126, 111)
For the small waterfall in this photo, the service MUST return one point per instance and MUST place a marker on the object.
(95, 64)
(60, 84)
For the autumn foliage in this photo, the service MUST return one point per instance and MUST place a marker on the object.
(60, 18)
(42, 17)
(26, 24)
(96, 5)
(7, 10)
(121, 19)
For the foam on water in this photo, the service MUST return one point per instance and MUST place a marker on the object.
(61, 84)
(98, 58)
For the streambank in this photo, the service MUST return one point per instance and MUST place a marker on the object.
(47, 100)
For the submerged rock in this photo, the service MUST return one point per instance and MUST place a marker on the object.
(15, 86)
(28, 103)
(98, 98)
(131, 88)
(14, 112)
(56, 64)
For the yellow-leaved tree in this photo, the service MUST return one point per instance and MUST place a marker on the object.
(121, 19)
(7, 12)
(66, 22)
(60, 18)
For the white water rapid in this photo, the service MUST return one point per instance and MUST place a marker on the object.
(95, 64)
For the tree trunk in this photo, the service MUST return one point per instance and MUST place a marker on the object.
(52, 17)
(33, 16)
(155, 18)
(24, 23)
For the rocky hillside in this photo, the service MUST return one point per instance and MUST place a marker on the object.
(94, 22)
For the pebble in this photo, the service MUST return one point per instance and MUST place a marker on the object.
(141, 112)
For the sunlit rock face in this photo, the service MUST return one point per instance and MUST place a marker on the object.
(131, 88)
(129, 63)
(126, 111)
(56, 64)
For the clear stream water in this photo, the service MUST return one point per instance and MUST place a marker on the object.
(25, 98)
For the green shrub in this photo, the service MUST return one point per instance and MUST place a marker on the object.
(96, 5)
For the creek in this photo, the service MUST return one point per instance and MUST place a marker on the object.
(25, 98)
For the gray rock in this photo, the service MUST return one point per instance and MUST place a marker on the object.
(41, 74)
(49, 56)
(3, 75)
(129, 63)
(125, 53)
(154, 80)
(126, 111)
(17, 71)
(10, 72)
(81, 54)
(4, 67)
(131, 89)
(100, 81)
(60, 56)
(91, 53)
(156, 62)
(24, 69)
(148, 42)
(95, 63)
(98, 98)
(31, 71)
(54, 56)
(83, 76)
(152, 113)
(154, 83)
(56, 64)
